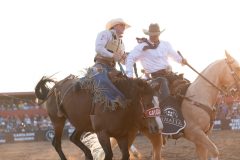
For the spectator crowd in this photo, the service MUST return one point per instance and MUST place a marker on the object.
(228, 108)
(27, 116)
(23, 116)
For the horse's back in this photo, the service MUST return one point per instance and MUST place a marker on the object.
(76, 104)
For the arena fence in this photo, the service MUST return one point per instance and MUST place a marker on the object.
(47, 135)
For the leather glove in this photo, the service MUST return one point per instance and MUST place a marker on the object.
(116, 57)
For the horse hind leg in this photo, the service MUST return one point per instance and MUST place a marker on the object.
(123, 145)
(204, 146)
(56, 142)
(208, 147)
(75, 138)
(104, 140)
(201, 152)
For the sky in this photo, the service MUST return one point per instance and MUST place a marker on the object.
(55, 37)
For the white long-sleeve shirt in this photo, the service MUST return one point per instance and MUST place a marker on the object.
(101, 42)
(152, 60)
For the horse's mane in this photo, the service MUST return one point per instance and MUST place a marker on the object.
(212, 64)
(212, 68)
(130, 87)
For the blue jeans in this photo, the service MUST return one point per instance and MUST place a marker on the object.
(164, 89)
(107, 88)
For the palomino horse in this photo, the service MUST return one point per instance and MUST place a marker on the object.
(76, 104)
(198, 105)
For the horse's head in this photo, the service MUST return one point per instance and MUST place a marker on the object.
(141, 94)
(231, 75)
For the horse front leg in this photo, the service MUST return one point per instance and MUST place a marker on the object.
(133, 150)
(156, 140)
(104, 140)
(123, 145)
(75, 138)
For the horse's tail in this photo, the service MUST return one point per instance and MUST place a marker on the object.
(41, 89)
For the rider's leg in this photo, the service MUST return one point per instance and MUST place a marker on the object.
(164, 89)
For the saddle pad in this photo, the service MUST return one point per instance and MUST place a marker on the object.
(171, 116)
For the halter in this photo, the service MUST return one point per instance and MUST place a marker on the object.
(151, 112)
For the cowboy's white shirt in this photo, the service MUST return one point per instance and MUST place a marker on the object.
(152, 60)
(102, 40)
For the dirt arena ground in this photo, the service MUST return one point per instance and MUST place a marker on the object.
(227, 141)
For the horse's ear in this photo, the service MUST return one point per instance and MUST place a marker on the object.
(228, 56)
(181, 76)
(142, 84)
(156, 86)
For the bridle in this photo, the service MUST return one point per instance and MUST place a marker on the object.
(234, 74)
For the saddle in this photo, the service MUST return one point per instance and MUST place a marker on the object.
(177, 84)
(171, 115)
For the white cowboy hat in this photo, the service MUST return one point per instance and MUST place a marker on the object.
(154, 30)
(116, 21)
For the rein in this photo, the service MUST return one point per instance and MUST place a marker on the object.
(211, 110)
(222, 91)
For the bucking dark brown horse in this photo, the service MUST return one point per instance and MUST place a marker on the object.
(75, 102)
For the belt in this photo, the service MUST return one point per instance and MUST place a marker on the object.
(159, 73)
(104, 60)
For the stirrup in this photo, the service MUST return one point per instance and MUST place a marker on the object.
(178, 135)
(175, 136)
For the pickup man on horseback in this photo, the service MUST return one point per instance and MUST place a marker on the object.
(153, 55)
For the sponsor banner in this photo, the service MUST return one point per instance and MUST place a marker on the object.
(2, 138)
(70, 131)
(235, 124)
(217, 125)
(25, 136)
(49, 134)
